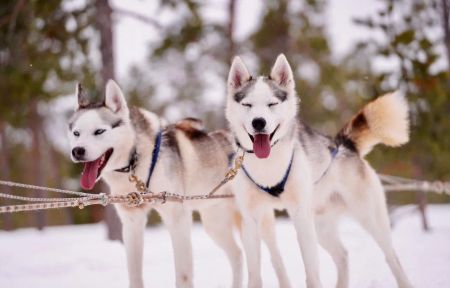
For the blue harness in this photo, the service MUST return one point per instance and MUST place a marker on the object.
(333, 151)
(134, 157)
(278, 188)
(155, 155)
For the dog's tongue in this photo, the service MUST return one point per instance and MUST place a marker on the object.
(261, 145)
(89, 174)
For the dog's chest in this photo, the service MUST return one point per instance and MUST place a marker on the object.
(267, 172)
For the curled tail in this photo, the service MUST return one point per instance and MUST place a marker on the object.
(384, 120)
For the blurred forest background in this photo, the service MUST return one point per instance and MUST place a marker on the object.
(47, 46)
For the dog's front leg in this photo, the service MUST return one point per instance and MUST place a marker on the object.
(267, 231)
(133, 226)
(300, 210)
(179, 220)
(252, 247)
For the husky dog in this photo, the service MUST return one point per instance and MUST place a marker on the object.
(111, 139)
(316, 178)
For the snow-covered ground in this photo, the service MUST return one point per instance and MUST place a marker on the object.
(79, 256)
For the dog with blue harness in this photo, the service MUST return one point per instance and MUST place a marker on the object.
(117, 143)
(315, 178)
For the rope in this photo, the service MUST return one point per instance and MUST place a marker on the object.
(143, 196)
(34, 187)
(395, 183)
(132, 199)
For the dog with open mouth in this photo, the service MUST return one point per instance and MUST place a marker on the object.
(113, 140)
(314, 177)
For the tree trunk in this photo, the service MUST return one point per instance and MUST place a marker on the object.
(6, 219)
(104, 27)
(445, 7)
(37, 171)
(231, 24)
(57, 180)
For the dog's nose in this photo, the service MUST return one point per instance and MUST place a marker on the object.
(259, 124)
(78, 152)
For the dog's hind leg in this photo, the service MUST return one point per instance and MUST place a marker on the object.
(371, 212)
(133, 225)
(178, 220)
(268, 235)
(328, 235)
(218, 221)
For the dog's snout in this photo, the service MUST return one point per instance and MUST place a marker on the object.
(78, 152)
(259, 124)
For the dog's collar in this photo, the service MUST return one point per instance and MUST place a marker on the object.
(134, 159)
(132, 162)
(278, 188)
(238, 144)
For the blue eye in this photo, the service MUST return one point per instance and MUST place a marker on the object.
(99, 132)
(76, 133)
(247, 105)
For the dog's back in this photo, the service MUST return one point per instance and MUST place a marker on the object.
(202, 156)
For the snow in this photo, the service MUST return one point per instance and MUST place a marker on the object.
(79, 256)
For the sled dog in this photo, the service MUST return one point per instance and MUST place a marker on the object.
(315, 178)
(112, 140)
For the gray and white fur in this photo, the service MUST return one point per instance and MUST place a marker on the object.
(322, 186)
(191, 162)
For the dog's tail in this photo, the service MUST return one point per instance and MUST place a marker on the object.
(384, 120)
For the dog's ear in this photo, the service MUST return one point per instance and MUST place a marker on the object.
(114, 99)
(282, 73)
(83, 99)
(238, 75)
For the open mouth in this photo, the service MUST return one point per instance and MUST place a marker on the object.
(261, 143)
(93, 169)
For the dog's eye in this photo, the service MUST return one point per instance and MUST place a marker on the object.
(76, 133)
(99, 131)
(272, 104)
(247, 105)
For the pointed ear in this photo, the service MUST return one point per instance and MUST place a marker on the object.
(83, 99)
(282, 73)
(238, 75)
(114, 99)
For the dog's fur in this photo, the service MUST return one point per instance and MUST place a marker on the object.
(191, 161)
(321, 187)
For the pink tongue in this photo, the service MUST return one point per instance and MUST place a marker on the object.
(89, 174)
(261, 145)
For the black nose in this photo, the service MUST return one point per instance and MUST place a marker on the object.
(78, 153)
(259, 124)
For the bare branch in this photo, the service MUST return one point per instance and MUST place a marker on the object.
(147, 20)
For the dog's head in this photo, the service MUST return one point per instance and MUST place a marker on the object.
(99, 132)
(261, 109)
